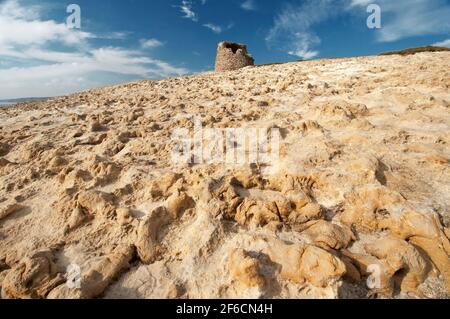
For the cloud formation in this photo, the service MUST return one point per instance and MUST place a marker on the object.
(217, 28)
(186, 9)
(214, 28)
(39, 69)
(445, 43)
(406, 18)
(249, 5)
(293, 30)
(293, 27)
(150, 43)
(20, 25)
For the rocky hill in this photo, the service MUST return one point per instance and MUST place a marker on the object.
(356, 204)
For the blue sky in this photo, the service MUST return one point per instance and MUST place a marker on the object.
(125, 40)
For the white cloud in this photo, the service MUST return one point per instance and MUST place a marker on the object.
(36, 54)
(15, 10)
(19, 26)
(109, 59)
(406, 18)
(306, 55)
(303, 44)
(217, 28)
(150, 43)
(114, 35)
(293, 27)
(64, 67)
(213, 27)
(34, 68)
(186, 9)
(249, 5)
(445, 43)
(360, 3)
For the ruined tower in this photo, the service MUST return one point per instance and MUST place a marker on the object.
(232, 56)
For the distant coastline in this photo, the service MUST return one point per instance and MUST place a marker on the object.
(21, 100)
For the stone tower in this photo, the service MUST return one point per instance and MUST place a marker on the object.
(232, 56)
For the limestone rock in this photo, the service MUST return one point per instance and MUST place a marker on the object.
(4, 149)
(329, 236)
(439, 256)
(9, 209)
(311, 211)
(226, 196)
(124, 216)
(305, 263)
(97, 203)
(4, 162)
(245, 269)
(98, 276)
(33, 277)
(161, 187)
(256, 213)
(397, 255)
(147, 243)
(363, 158)
(178, 203)
(76, 219)
(369, 209)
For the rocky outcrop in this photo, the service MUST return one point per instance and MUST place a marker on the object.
(356, 205)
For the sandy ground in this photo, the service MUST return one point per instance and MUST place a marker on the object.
(92, 204)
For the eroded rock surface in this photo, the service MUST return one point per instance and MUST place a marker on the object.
(356, 205)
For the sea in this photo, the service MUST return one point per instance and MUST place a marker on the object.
(21, 100)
